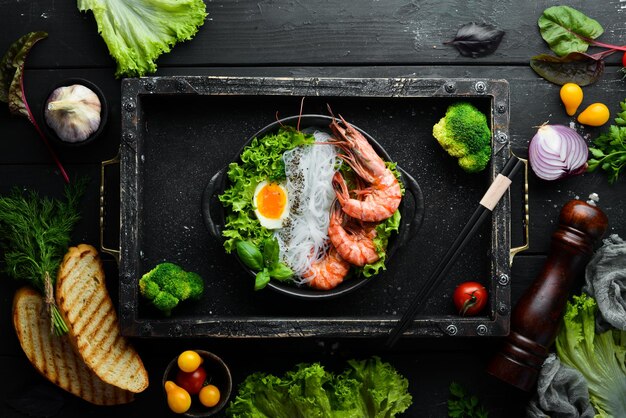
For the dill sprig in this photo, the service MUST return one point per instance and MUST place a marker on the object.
(35, 234)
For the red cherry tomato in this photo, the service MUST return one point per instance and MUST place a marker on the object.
(624, 60)
(192, 382)
(470, 298)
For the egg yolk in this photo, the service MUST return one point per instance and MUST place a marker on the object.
(271, 201)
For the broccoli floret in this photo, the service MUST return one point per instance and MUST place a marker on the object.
(465, 134)
(167, 284)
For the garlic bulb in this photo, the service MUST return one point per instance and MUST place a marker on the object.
(73, 112)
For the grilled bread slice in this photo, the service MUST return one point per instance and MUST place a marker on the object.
(54, 357)
(89, 313)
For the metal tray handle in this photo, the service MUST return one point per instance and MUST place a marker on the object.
(113, 252)
(516, 250)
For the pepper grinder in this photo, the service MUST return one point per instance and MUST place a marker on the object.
(536, 317)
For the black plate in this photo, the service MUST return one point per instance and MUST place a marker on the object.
(410, 224)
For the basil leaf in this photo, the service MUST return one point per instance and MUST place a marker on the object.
(261, 280)
(271, 251)
(566, 30)
(576, 67)
(476, 40)
(250, 255)
(281, 272)
(12, 71)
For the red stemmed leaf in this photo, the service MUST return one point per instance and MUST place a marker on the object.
(12, 71)
(476, 40)
(12, 85)
(575, 67)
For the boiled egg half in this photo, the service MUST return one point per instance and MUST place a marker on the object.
(271, 204)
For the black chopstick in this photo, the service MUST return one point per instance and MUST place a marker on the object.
(481, 213)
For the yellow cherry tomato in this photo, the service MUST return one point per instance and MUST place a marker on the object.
(572, 97)
(188, 361)
(209, 395)
(178, 399)
(596, 114)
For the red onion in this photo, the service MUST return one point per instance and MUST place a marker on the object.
(557, 151)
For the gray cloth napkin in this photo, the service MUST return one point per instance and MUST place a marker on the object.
(605, 278)
(561, 393)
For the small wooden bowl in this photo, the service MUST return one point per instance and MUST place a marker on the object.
(217, 373)
(52, 135)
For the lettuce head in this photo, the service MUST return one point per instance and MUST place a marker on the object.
(599, 357)
(366, 389)
(138, 31)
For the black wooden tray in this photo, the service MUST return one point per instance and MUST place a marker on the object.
(179, 131)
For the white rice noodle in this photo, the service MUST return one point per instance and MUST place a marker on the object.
(304, 238)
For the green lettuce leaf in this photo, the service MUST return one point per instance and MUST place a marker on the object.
(566, 30)
(384, 392)
(137, 32)
(261, 160)
(368, 388)
(599, 357)
(383, 232)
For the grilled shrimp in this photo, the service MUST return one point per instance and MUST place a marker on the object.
(328, 272)
(354, 242)
(381, 198)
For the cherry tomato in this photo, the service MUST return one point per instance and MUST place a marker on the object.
(209, 395)
(191, 382)
(189, 360)
(470, 298)
(624, 60)
(178, 399)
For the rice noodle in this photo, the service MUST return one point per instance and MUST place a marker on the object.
(304, 236)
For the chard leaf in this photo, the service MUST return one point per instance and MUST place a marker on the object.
(576, 67)
(566, 30)
(476, 40)
(12, 72)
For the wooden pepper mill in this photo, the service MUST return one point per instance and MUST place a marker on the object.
(536, 317)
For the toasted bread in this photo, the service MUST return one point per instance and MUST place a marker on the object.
(87, 309)
(54, 357)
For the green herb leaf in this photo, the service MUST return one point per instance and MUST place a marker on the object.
(250, 255)
(575, 67)
(566, 30)
(280, 271)
(464, 405)
(35, 234)
(271, 251)
(262, 279)
(457, 390)
(609, 152)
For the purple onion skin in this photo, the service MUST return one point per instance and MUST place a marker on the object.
(556, 152)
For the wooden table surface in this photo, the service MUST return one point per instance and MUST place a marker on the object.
(316, 38)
